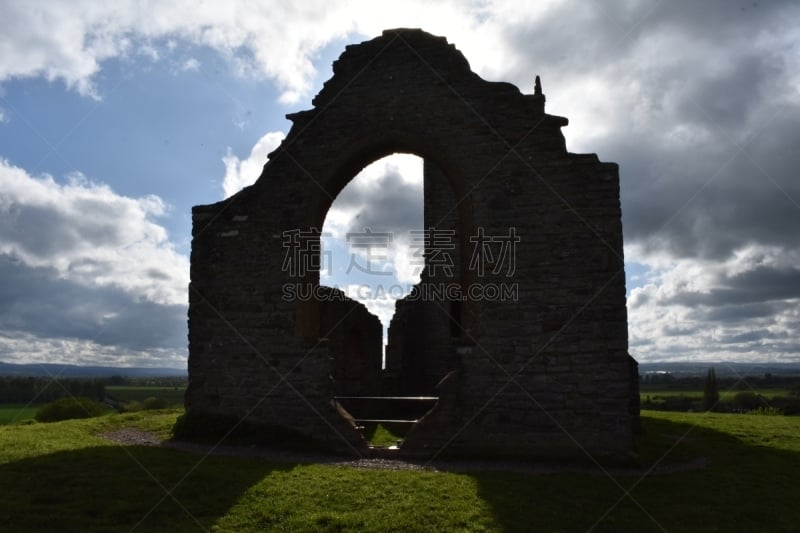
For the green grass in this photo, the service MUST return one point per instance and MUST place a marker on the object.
(14, 413)
(387, 434)
(138, 393)
(63, 477)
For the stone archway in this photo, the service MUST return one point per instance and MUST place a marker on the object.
(353, 154)
(529, 371)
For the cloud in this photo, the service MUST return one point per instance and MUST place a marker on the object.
(22, 347)
(714, 310)
(69, 42)
(274, 40)
(40, 302)
(699, 105)
(90, 235)
(385, 197)
(190, 65)
(281, 41)
(698, 102)
(240, 173)
(85, 266)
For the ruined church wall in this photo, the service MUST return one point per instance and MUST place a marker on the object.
(552, 365)
(257, 355)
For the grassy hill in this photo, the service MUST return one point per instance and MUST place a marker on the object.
(64, 477)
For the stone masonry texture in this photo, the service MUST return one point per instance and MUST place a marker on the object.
(541, 371)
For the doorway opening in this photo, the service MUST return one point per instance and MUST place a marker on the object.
(373, 252)
(371, 245)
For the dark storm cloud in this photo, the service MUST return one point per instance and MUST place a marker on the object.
(676, 331)
(46, 230)
(727, 97)
(708, 201)
(704, 111)
(38, 301)
(718, 194)
(597, 34)
(760, 285)
(391, 204)
(40, 230)
(750, 336)
(741, 313)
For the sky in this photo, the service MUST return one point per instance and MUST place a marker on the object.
(117, 117)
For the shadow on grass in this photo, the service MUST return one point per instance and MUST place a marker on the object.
(744, 488)
(104, 489)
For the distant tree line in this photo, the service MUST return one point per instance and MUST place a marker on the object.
(669, 393)
(667, 381)
(149, 381)
(741, 402)
(16, 389)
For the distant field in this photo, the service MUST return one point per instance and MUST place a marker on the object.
(18, 412)
(11, 413)
(137, 393)
(724, 395)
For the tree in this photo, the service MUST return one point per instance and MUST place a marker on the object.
(747, 401)
(69, 408)
(710, 391)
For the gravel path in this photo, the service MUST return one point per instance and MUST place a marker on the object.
(135, 437)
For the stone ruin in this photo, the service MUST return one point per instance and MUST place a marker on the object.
(540, 370)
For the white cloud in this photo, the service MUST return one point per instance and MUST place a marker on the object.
(56, 41)
(88, 274)
(3, 115)
(22, 347)
(743, 308)
(276, 40)
(190, 65)
(69, 41)
(90, 235)
(280, 40)
(668, 90)
(407, 260)
(239, 173)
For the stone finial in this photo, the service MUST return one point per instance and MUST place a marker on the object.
(537, 88)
